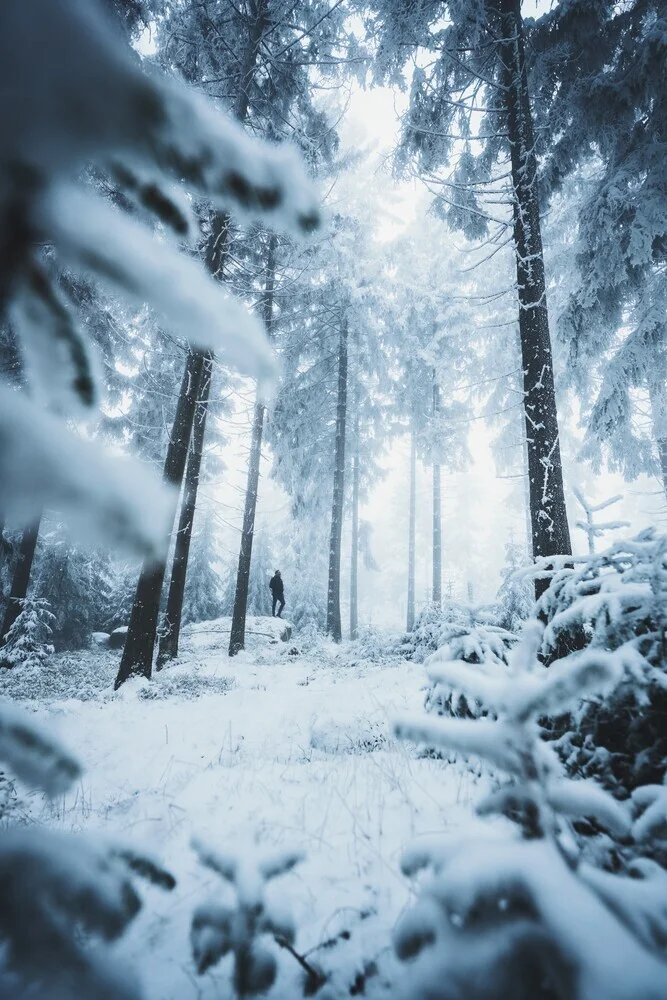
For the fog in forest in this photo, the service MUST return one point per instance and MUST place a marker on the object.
(333, 499)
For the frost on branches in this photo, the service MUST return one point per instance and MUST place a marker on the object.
(240, 926)
(61, 892)
(525, 915)
(616, 600)
(458, 632)
(72, 95)
(27, 643)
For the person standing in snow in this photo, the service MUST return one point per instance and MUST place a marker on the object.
(277, 592)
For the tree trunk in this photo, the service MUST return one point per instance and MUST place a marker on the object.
(334, 628)
(437, 515)
(526, 500)
(21, 576)
(657, 398)
(412, 525)
(139, 647)
(354, 555)
(168, 645)
(237, 637)
(140, 643)
(550, 531)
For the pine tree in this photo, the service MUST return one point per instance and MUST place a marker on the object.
(479, 61)
(27, 643)
(515, 594)
(412, 526)
(203, 599)
(354, 554)
(599, 65)
(137, 655)
(76, 583)
(171, 626)
(237, 636)
(334, 627)
(436, 596)
(25, 555)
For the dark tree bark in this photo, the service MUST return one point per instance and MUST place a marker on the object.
(169, 639)
(354, 555)
(550, 530)
(139, 647)
(21, 576)
(526, 501)
(437, 515)
(237, 637)
(140, 643)
(334, 628)
(412, 525)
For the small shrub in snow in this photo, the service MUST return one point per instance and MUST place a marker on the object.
(309, 637)
(615, 600)
(373, 645)
(516, 594)
(485, 647)
(27, 642)
(432, 626)
(526, 917)
(240, 927)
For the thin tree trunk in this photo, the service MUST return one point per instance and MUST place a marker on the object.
(21, 576)
(550, 530)
(168, 645)
(657, 398)
(354, 555)
(140, 643)
(437, 538)
(412, 525)
(237, 636)
(334, 628)
(437, 515)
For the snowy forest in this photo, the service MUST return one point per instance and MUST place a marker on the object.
(333, 499)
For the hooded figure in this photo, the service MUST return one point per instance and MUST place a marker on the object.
(277, 592)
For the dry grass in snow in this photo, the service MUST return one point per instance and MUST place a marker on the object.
(294, 752)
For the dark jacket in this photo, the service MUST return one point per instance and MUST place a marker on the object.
(276, 585)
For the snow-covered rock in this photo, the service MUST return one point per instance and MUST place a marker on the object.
(118, 637)
(214, 635)
(100, 639)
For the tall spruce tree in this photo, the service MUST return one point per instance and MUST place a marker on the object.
(265, 84)
(477, 73)
(334, 627)
(237, 635)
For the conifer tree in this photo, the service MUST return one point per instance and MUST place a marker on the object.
(237, 636)
(479, 65)
(334, 627)
(168, 645)
(203, 598)
(25, 555)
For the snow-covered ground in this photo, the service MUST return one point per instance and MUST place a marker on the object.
(293, 751)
